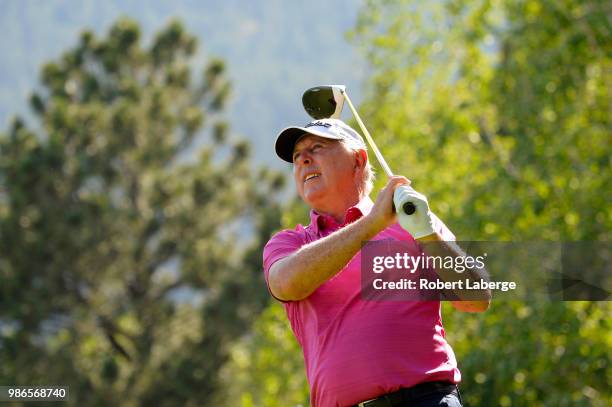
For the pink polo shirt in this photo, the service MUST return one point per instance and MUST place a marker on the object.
(356, 350)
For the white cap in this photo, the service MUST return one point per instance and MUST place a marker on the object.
(334, 129)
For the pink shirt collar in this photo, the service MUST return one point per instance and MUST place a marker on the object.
(322, 223)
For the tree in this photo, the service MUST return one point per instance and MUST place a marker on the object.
(129, 261)
(513, 93)
(266, 367)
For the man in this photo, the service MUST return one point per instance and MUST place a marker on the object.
(378, 353)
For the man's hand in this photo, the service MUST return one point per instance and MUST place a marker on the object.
(420, 223)
(382, 214)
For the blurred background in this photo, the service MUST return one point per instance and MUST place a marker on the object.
(138, 183)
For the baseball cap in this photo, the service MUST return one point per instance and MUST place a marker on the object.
(334, 129)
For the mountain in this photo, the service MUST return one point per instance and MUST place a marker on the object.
(274, 51)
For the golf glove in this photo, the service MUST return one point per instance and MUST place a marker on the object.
(421, 222)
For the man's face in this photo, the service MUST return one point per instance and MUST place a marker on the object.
(324, 170)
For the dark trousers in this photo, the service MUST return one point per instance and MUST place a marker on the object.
(441, 399)
(428, 394)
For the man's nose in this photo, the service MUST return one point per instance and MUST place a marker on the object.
(305, 158)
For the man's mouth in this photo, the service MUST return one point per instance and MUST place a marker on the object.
(310, 176)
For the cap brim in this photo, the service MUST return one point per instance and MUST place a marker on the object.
(286, 139)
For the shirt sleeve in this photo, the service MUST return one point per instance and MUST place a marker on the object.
(279, 246)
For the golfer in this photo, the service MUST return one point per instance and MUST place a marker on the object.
(356, 352)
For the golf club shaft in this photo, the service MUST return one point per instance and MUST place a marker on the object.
(408, 207)
(377, 152)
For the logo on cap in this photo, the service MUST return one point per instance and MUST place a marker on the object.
(319, 124)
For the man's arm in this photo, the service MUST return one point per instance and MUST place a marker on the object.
(439, 247)
(421, 226)
(298, 275)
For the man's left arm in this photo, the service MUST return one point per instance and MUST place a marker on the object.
(469, 300)
(421, 225)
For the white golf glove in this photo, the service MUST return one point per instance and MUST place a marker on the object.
(421, 222)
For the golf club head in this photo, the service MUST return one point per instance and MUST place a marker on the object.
(323, 102)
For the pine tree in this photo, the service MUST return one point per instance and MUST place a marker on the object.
(131, 225)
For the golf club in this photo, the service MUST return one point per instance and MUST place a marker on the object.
(326, 101)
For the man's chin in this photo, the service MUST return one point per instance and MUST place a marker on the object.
(312, 198)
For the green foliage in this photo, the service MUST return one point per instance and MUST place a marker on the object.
(506, 101)
(267, 367)
(533, 354)
(128, 263)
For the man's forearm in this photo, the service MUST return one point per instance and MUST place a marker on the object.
(469, 300)
(295, 277)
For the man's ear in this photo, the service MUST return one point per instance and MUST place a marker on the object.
(361, 158)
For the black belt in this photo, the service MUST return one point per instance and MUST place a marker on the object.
(409, 394)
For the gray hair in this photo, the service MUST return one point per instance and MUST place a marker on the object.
(367, 181)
